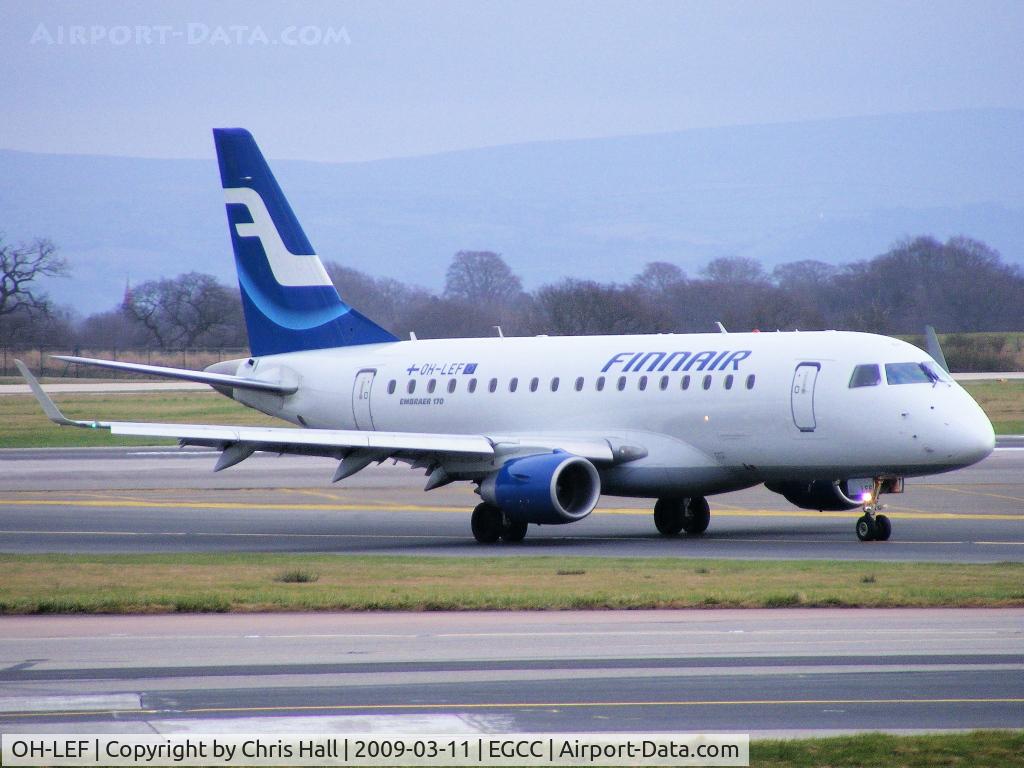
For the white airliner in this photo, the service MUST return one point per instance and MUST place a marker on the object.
(543, 426)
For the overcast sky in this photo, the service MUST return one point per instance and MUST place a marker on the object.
(357, 81)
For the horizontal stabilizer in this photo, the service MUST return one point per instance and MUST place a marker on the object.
(183, 374)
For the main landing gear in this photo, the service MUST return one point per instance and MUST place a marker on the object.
(674, 515)
(490, 524)
(872, 526)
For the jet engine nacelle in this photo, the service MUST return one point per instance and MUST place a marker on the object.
(826, 495)
(549, 488)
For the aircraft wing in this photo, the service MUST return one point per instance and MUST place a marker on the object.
(202, 377)
(356, 449)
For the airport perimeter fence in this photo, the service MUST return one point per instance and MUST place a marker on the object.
(40, 361)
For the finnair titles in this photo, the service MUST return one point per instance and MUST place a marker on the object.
(544, 426)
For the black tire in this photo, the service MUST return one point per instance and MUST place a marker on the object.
(697, 516)
(883, 528)
(513, 533)
(486, 523)
(865, 528)
(668, 516)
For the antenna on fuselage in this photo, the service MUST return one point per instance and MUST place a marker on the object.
(412, 336)
(498, 329)
(721, 328)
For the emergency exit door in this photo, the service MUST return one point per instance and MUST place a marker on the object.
(802, 396)
(361, 399)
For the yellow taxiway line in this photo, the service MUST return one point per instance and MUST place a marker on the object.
(371, 507)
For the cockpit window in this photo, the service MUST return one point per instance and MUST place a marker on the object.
(913, 373)
(867, 375)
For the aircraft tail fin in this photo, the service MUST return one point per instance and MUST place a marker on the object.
(289, 300)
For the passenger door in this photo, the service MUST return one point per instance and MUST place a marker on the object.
(361, 399)
(802, 396)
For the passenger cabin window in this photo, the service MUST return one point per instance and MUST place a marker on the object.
(642, 384)
(728, 381)
(554, 384)
(622, 383)
(599, 384)
(664, 382)
(471, 388)
(866, 375)
(579, 384)
(513, 383)
(411, 387)
(910, 373)
(707, 382)
(431, 385)
(534, 382)
(750, 381)
(493, 386)
(391, 386)
(685, 382)
(451, 386)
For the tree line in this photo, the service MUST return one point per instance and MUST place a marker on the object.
(960, 285)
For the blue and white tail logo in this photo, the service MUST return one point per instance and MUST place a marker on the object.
(289, 301)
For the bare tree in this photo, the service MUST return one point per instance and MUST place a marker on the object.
(482, 277)
(385, 300)
(658, 276)
(179, 312)
(734, 269)
(21, 267)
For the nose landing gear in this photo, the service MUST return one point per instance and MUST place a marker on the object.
(872, 526)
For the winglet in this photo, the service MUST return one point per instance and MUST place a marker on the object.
(931, 342)
(52, 411)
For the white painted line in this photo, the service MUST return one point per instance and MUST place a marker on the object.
(174, 455)
(391, 724)
(79, 703)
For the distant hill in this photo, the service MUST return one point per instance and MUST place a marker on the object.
(835, 190)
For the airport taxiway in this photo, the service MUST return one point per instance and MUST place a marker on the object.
(761, 671)
(129, 500)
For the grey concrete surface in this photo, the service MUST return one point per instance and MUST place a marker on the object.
(769, 672)
(165, 500)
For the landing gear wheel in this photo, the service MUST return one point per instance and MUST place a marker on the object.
(513, 533)
(883, 528)
(866, 529)
(487, 523)
(668, 516)
(697, 516)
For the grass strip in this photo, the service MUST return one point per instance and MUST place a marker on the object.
(880, 750)
(32, 584)
(23, 425)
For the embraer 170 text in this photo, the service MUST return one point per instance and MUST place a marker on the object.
(543, 426)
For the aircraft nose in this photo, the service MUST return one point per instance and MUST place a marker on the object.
(975, 439)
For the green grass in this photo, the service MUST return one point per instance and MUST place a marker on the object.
(1002, 401)
(23, 425)
(879, 750)
(256, 582)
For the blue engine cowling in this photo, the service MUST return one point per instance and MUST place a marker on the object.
(548, 489)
